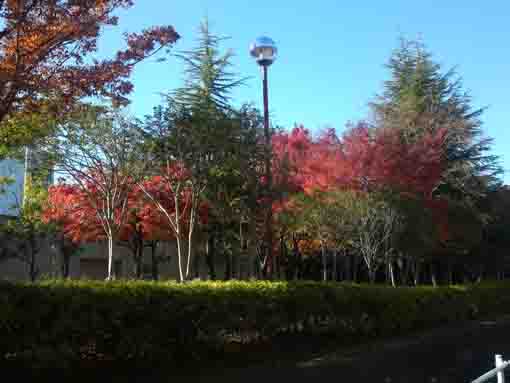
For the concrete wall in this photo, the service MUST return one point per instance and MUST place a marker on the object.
(48, 261)
(91, 263)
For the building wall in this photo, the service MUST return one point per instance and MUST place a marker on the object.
(11, 195)
(91, 262)
(11, 198)
(48, 262)
(94, 258)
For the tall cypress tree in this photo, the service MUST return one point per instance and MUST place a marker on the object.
(218, 143)
(420, 97)
(209, 79)
(206, 96)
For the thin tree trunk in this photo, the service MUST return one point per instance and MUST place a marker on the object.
(335, 266)
(155, 262)
(174, 223)
(33, 273)
(416, 272)
(228, 266)
(371, 266)
(406, 271)
(480, 273)
(210, 256)
(450, 272)
(241, 250)
(110, 256)
(355, 269)
(433, 276)
(179, 260)
(295, 258)
(33, 266)
(392, 273)
(178, 235)
(324, 263)
(189, 255)
(240, 263)
(66, 260)
(278, 265)
(264, 265)
(190, 237)
(139, 260)
(371, 275)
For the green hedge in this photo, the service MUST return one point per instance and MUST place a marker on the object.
(77, 320)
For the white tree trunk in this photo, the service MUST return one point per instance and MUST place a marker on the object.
(178, 235)
(110, 257)
(190, 238)
(179, 259)
(416, 272)
(371, 266)
(190, 253)
(392, 273)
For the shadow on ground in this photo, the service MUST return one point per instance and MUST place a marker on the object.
(447, 355)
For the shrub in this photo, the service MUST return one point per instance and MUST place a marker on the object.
(66, 321)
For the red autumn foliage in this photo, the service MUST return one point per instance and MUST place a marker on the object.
(46, 49)
(362, 159)
(143, 219)
(68, 208)
(162, 189)
(301, 163)
(72, 210)
(382, 158)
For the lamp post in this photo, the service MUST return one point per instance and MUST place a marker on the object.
(264, 51)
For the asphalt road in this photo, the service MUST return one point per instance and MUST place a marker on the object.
(452, 354)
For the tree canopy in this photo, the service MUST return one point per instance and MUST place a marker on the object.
(47, 60)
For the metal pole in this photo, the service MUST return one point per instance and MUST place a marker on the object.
(501, 373)
(269, 176)
(501, 365)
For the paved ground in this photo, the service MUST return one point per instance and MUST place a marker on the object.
(454, 354)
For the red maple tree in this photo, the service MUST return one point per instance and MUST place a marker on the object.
(378, 158)
(76, 215)
(46, 48)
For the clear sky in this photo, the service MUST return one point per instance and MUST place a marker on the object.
(332, 53)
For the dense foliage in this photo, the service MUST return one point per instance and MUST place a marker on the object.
(410, 195)
(170, 322)
(47, 62)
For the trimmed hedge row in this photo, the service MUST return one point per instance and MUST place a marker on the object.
(61, 321)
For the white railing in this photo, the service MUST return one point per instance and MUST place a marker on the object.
(499, 371)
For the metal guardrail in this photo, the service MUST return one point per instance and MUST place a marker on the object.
(498, 371)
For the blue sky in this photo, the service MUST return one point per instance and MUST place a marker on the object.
(332, 53)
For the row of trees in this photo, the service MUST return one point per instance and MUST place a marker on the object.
(411, 191)
(415, 187)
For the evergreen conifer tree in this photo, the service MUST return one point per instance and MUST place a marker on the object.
(420, 97)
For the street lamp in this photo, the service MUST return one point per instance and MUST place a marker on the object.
(264, 51)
